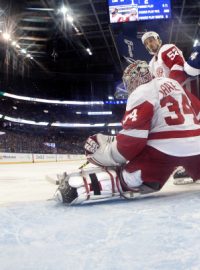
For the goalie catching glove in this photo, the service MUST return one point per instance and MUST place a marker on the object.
(102, 150)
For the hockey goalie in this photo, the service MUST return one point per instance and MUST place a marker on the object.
(160, 131)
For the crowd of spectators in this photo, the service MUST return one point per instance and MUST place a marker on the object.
(56, 144)
(19, 139)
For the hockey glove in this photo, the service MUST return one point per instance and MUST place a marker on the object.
(101, 150)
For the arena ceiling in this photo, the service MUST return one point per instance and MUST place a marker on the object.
(58, 46)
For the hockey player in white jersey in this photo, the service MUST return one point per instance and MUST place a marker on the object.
(167, 60)
(192, 68)
(160, 131)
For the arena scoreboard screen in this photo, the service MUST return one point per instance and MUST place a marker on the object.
(121, 11)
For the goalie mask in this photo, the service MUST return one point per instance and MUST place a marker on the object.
(136, 74)
(152, 42)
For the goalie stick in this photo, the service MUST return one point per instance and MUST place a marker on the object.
(56, 179)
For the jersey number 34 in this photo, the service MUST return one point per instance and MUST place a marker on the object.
(173, 106)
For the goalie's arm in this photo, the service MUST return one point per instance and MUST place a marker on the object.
(114, 151)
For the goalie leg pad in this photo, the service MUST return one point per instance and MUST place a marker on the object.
(97, 184)
(87, 185)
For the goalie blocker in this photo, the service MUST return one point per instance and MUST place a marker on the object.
(96, 184)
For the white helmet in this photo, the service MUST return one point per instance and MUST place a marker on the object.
(151, 34)
(136, 74)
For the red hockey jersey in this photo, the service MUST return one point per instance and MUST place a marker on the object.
(168, 63)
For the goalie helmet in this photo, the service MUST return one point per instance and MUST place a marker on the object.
(136, 74)
(155, 36)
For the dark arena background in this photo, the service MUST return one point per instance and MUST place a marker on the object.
(69, 51)
(61, 66)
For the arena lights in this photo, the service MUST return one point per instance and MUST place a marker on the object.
(96, 113)
(58, 124)
(196, 42)
(23, 51)
(14, 43)
(73, 125)
(64, 102)
(88, 51)
(50, 101)
(78, 125)
(63, 10)
(100, 113)
(114, 124)
(41, 9)
(24, 121)
(70, 19)
(75, 28)
(6, 36)
(9, 27)
(115, 102)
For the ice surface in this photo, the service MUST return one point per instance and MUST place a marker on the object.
(159, 232)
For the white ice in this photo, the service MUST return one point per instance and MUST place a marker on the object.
(159, 232)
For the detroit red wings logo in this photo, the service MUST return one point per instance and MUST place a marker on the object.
(160, 72)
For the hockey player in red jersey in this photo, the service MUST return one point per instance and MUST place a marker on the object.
(160, 130)
(167, 60)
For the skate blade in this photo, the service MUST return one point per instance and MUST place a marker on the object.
(183, 181)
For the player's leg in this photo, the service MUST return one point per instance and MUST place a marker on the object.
(191, 164)
(153, 166)
(181, 177)
(91, 185)
(147, 173)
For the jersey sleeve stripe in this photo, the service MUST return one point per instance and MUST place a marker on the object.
(174, 134)
(177, 67)
(135, 133)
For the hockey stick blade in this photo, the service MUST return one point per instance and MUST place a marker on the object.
(52, 180)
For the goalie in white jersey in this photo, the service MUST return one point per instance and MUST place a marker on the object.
(160, 131)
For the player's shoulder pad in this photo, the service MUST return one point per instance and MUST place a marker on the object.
(143, 93)
(166, 47)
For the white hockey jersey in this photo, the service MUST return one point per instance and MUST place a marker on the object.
(160, 114)
(169, 63)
